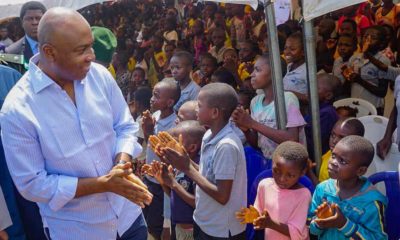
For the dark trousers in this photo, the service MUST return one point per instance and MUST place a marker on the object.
(154, 212)
(198, 234)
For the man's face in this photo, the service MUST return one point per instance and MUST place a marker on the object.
(30, 22)
(73, 52)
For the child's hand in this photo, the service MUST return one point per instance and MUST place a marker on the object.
(148, 123)
(148, 170)
(247, 215)
(338, 220)
(242, 118)
(167, 175)
(262, 222)
(179, 160)
(324, 211)
(156, 167)
(168, 141)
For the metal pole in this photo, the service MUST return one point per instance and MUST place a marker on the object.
(275, 59)
(309, 37)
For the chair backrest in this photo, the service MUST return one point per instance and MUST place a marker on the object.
(392, 214)
(375, 127)
(364, 107)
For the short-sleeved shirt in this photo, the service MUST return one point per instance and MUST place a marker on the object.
(265, 114)
(291, 210)
(140, 134)
(182, 212)
(296, 80)
(189, 93)
(222, 158)
(370, 73)
(164, 124)
(337, 68)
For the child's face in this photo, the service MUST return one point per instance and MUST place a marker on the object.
(246, 53)
(261, 75)
(157, 44)
(185, 113)
(204, 112)
(207, 67)
(244, 101)
(293, 51)
(218, 38)
(373, 35)
(230, 55)
(180, 69)
(197, 28)
(339, 131)
(137, 76)
(345, 47)
(169, 51)
(161, 99)
(286, 173)
(344, 164)
(347, 28)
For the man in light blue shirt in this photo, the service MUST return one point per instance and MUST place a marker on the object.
(65, 127)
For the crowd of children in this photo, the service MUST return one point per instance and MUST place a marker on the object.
(201, 73)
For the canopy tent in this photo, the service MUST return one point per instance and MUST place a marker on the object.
(11, 8)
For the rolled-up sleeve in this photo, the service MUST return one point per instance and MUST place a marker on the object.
(26, 164)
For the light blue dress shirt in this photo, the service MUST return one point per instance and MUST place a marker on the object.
(50, 143)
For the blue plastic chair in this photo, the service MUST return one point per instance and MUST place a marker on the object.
(250, 233)
(255, 164)
(392, 214)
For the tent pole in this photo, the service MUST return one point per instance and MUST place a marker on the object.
(275, 59)
(310, 47)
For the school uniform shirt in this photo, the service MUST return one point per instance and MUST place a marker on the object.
(182, 212)
(287, 206)
(363, 211)
(337, 68)
(370, 73)
(221, 158)
(265, 114)
(163, 124)
(296, 80)
(189, 93)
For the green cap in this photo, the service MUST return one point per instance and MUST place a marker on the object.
(104, 44)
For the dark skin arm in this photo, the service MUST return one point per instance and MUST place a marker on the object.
(265, 221)
(379, 90)
(383, 146)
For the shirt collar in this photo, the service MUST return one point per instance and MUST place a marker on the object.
(165, 121)
(39, 79)
(221, 134)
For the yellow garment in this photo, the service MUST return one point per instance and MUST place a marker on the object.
(131, 64)
(242, 71)
(191, 22)
(228, 42)
(336, 55)
(247, 9)
(323, 171)
(161, 58)
(111, 69)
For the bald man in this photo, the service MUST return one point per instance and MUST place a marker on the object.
(69, 138)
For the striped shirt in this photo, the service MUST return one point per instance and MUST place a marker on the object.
(50, 143)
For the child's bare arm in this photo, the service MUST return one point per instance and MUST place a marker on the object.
(379, 90)
(182, 193)
(266, 221)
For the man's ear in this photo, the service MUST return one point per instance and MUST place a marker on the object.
(48, 51)
(361, 170)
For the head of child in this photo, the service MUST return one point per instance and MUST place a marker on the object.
(347, 45)
(223, 75)
(170, 24)
(261, 76)
(344, 128)
(346, 112)
(181, 66)
(157, 42)
(169, 50)
(208, 65)
(238, 10)
(349, 27)
(389, 35)
(244, 98)
(230, 54)
(256, 15)
(165, 95)
(294, 52)
(325, 27)
(188, 111)
(192, 134)
(327, 87)
(248, 51)
(194, 12)
(138, 76)
(289, 163)
(218, 37)
(216, 102)
(376, 37)
(350, 158)
(139, 101)
(198, 27)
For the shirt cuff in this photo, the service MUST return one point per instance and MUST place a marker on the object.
(66, 190)
(349, 228)
(126, 146)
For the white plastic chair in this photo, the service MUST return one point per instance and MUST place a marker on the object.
(364, 107)
(375, 127)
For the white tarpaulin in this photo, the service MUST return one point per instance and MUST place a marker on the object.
(11, 8)
(316, 8)
(252, 3)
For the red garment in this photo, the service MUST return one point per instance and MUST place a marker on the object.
(361, 20)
